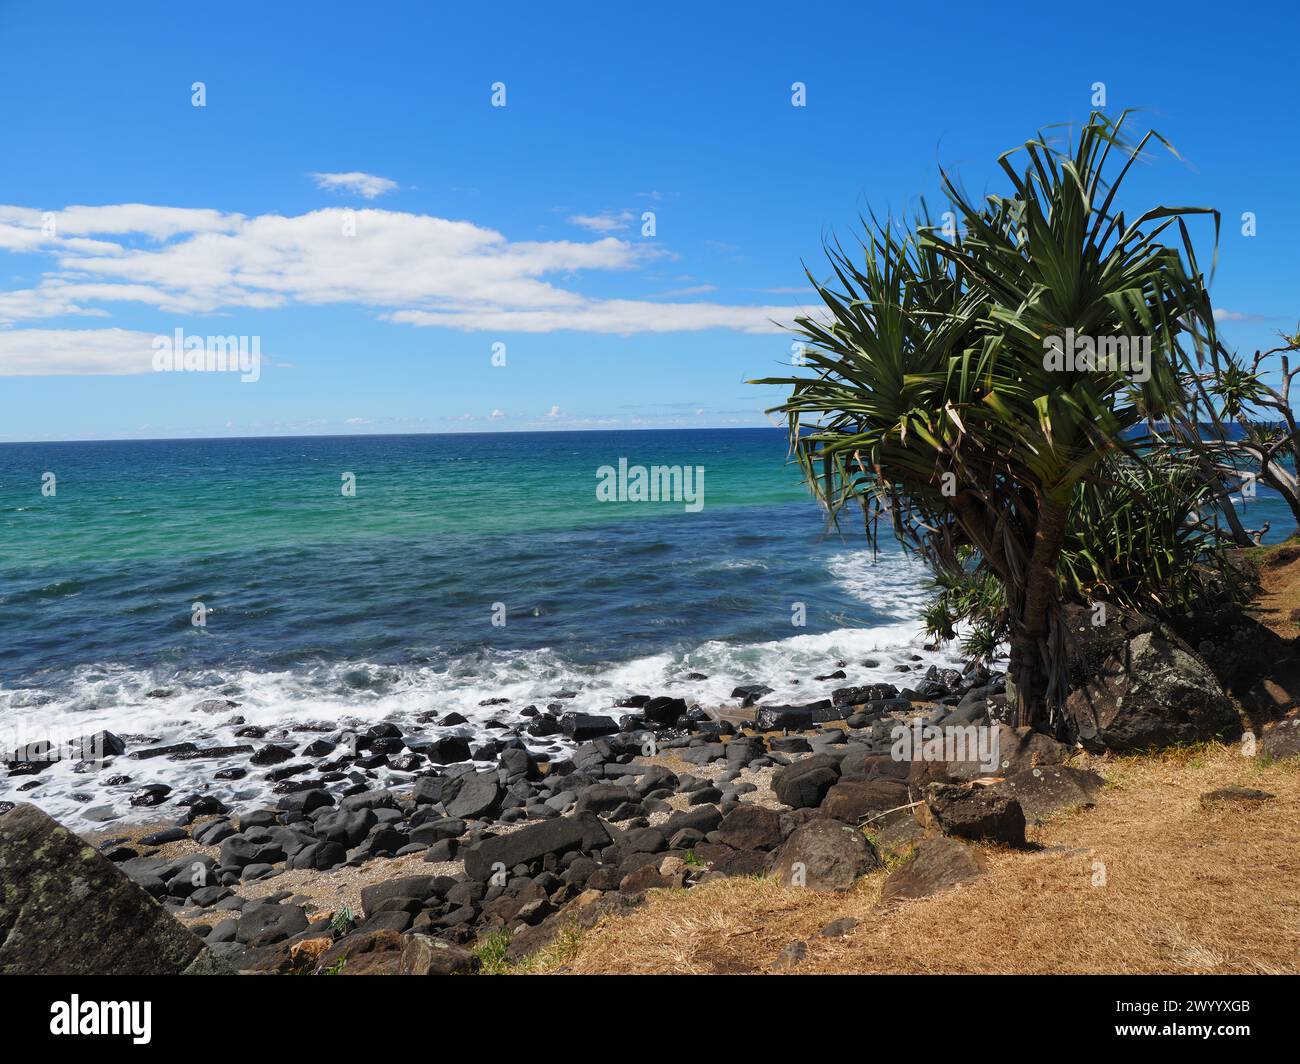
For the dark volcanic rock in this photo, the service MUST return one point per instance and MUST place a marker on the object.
(175, 751)
(937, 863)
(263, 925)
(476, 795)
(580, 727)
(805, 783)
(1248, 795)
(67, 910)
(347, 827)
(780, 718)
(1044, 790)
(751, 827)
(582, 831)
(664, 710)
(825, 855)
(1282, 740)
(976, 813)
(161, 838)
(750, 693)
(856, 696)
(604, 797)
(153, 794)
(853, 800)
(420, 888)
(319, 856)
(271, 755)
(448, 750)
(1150, 691)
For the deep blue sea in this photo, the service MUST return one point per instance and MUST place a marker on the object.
(461, 568)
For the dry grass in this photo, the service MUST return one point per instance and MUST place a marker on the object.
(1188, 888)
(1279, 578)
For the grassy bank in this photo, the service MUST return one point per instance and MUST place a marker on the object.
(1151, 879)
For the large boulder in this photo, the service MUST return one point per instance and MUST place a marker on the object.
(853, 800)
(937, 863)
(751, 827)
(65, 909)
(825, 855)
(783, 718)
(1145, 688)
(264, 924)
(476, 795)
(976, 813)
(980, 750)
(1041, 791)
(582, 831)
(804, 784)
(419, 887)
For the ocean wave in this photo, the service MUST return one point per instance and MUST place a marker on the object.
(161, 705)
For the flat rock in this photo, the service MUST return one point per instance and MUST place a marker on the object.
(264, 925)
(838, 928)
(1247, 795)
(937, 863)
(791, 957)
(1044, 790)
(582, 831)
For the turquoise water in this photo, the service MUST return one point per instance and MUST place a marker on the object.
(325, 607)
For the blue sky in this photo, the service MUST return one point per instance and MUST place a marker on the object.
(521, 225)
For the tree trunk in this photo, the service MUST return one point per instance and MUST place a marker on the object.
(1280, 480)
(1029, 668)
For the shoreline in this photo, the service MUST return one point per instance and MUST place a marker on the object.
(513, 862)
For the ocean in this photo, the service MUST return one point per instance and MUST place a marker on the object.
(460, 568)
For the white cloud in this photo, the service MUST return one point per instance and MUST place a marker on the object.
(157, 223)
(497, 415)
(605, 222)
(368, 186)
(621, 316)
(70, 352)
(555, 412)
(410, 268)
(1220, 314)
(692, 290)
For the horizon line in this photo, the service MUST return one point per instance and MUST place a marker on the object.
(382, 435)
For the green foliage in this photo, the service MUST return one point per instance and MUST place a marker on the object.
(931, 403)
(1142, 535)
(1138, 536)
(343, 921)
(491, 953)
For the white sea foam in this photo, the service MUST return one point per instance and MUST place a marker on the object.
(339, 695)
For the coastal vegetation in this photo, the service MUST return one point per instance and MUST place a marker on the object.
(934, 394)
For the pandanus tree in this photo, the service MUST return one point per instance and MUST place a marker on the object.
(933, 391)
(1254, 395)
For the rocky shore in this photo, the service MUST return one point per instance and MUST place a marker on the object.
(496, 847)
